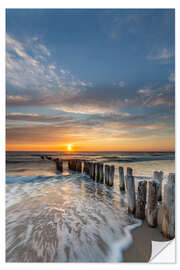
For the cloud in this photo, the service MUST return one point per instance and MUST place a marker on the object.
(44, 49)
(145, 91)
(34, 117)
(16, 99)
(64, 128)
(29, 68)
(63, 71)
(162, 99)
(171, 77)
(122, 83)
(35, 82)
(52, 67)
(160, 54)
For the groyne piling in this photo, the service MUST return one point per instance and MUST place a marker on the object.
(129, 171)
(91, 170)
(111, 175)
(59, 164)
(151, 215)
(130, 187)
(121, 179)
(158, 177)
(168, 220)
(94, 171)
(141, 199)
(101, 173)
(154, 200)
(107, 169)
(159, 215)
(78, 165)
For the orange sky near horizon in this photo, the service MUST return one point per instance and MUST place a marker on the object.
(160, 145)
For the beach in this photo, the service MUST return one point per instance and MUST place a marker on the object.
(68, 217)
(141, 247)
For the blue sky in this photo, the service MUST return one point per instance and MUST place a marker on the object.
(90, 73)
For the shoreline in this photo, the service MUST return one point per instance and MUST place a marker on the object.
(141, 248)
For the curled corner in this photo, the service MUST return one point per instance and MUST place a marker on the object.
(158, 252)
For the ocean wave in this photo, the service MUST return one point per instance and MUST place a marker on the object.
(134, 159)
(37, 178)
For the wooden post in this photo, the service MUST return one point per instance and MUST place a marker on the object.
(91, 170)
(141, 200)
(121, 178)
(168, 222)
(88, 168)
(151, 213)
(79, 166)
(101, 175)
(159, 215)
(59, 165)
(131, 193)
(94, 171)
(84, 168)
(129, 171)
(107, 174)
(97, 172)
(161, 176)
(111, 175)
(158, 176)
(69, 164)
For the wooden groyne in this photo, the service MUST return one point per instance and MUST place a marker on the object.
(154, 199)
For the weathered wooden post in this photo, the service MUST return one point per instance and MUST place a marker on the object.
(78, 165)
(101, 175)
(141, 200)
(129, 171)
(151, 211)
(159, 214)
(69, 164)
(168, 222)
(88, 168)
(121, 178)
(130, 186)
(97, 172)
(107, 174)
(111, 175)
(91, 170)
(94, 172)
(59, 165)
(157, 176)
(84, 167)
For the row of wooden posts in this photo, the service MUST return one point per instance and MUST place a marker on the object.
(147, 203)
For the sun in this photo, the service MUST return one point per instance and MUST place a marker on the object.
(69, 148)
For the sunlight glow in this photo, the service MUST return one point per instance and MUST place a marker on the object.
(69, 148)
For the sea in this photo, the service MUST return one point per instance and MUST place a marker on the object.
(67, 217)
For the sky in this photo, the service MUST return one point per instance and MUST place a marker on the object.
(95, 79)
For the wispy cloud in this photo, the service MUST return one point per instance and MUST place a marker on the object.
(145, 91)
(160, 54)
(44, 49)
(110, 127)
(122, 83)
(171, 77)
(29, 67)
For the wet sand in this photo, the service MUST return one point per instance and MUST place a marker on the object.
(140, 249)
